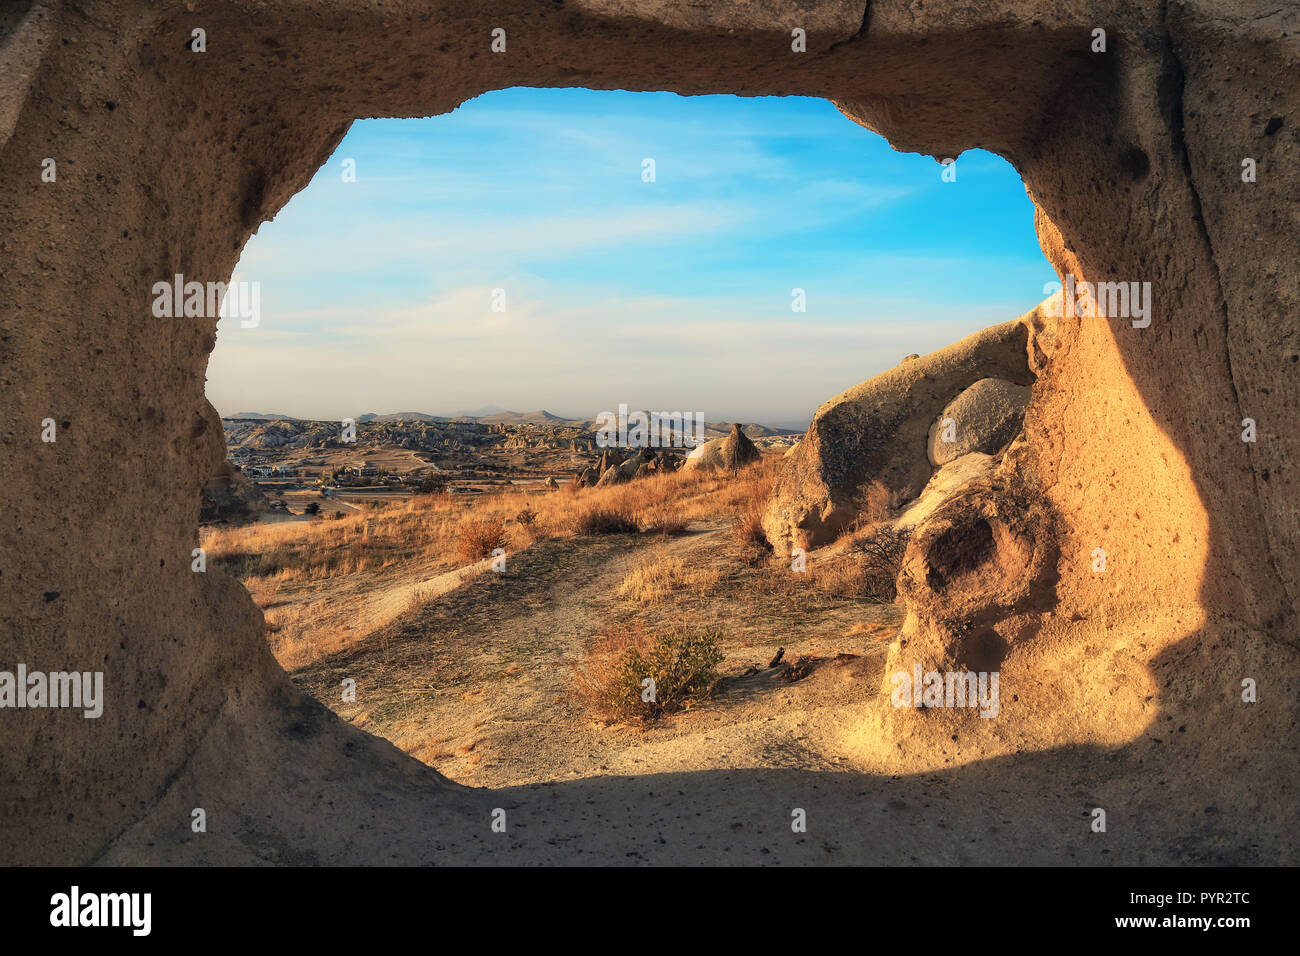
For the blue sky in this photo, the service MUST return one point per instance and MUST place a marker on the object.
(674, 294)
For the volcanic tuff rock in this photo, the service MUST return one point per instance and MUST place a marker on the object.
(737, 451)
(1132, 444)
(876, 433)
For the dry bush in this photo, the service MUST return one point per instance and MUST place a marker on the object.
(869, 567)
(477, 538)
(680, 662)
(839, 575)
(882, 549)
(747, 531)
(657, 576)
(747, 527)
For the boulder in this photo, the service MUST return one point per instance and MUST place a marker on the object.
(613, 475)
(706, 456)
(984, 418)
(731, 453)
(943, 484)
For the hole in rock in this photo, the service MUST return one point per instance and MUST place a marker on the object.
(960, 551)
(1135, 162)
(983, 651)
(430, 560)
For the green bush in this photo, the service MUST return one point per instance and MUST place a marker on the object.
(681, 662)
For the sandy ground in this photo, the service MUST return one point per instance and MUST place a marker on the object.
(476, 682)
(472, 676)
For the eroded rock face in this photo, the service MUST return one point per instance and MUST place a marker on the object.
(876, 434)
(168, 160)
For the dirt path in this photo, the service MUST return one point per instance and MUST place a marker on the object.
(475, 682)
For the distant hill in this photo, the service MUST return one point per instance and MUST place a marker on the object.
(402, 416)
(503, 417)
(539, 417)
(475, 414)
(723, 429)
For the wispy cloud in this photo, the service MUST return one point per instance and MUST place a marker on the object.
(376, 294)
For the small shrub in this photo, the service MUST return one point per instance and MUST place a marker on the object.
(476, 538)
(881, 553)
(432, 485)
(876, 505)
(526, 517)
(313, 508)
(747, 530)
(681, 663)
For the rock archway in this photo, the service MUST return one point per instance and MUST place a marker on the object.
(168, 159)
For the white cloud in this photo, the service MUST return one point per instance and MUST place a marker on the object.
(575, 358)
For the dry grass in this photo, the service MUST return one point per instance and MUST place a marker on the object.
(663, 521)
(310, 577)
(599, 520)
(658, 576)
(747, 527)
(876, 505)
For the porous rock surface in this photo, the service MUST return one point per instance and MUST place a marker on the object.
(1126, 684)
(984, 418)
(705, 456)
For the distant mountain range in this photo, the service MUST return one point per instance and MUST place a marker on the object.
(539, 417)
(497, 416)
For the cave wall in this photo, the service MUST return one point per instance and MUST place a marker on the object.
(168, 160)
